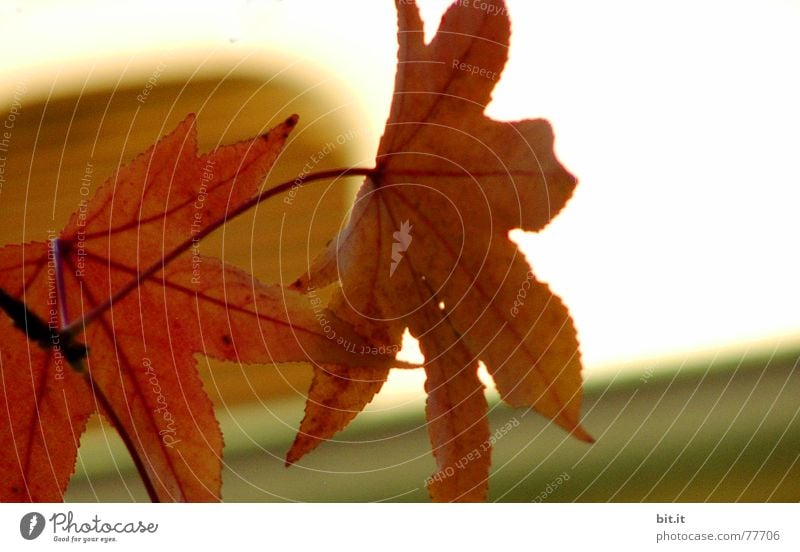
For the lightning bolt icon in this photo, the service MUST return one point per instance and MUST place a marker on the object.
(402, 239)
(34, 521)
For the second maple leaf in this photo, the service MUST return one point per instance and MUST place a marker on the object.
(427, 249)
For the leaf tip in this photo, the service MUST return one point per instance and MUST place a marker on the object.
(291, 122)
(285, 128)
(582, 435)
(300, 448)
(190, 121)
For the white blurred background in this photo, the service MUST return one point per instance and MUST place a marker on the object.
(679, 118)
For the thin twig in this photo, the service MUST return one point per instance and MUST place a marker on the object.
(78, 325)
(108, 410)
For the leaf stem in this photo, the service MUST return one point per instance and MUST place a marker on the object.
(78, 325)
(108, 410)
(61, 295)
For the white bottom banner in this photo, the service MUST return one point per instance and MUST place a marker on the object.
(354, 527)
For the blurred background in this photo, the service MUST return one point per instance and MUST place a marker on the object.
(677, 255)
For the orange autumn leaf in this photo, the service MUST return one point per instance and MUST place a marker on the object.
(140, 367)
(427, 248)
